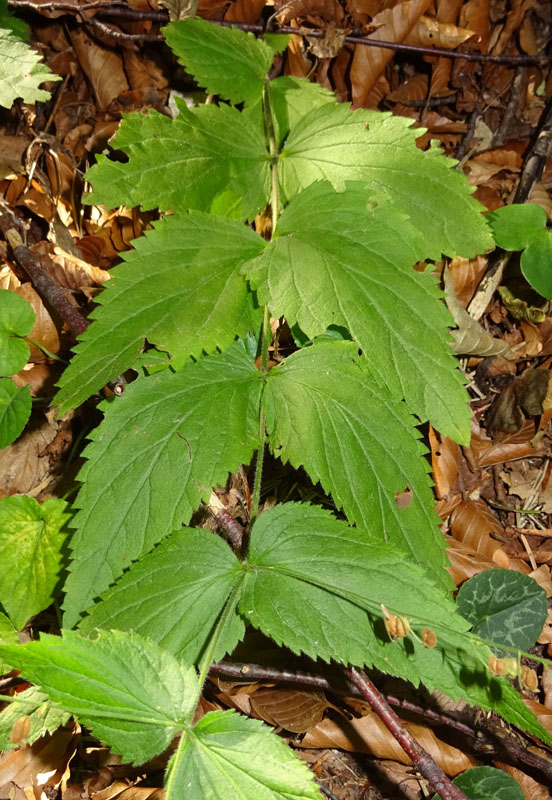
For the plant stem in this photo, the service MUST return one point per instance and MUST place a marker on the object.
(266, 336)
(421, 759)
(227, 612)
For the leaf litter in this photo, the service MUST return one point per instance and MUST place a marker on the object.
(494, 496)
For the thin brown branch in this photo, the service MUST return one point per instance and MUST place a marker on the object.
(44, 285)
(421, 759)
(353, 38)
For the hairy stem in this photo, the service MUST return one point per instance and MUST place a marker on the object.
(266, 336)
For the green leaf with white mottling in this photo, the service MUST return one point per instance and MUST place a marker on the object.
(163, 445)
(183, 284)
(487, 783)
(32, 538)
(334, 261)
(505, 607)
(326, 412)
(131, 693)
(339, 145)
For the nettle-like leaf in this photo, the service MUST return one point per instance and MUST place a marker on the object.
(161, 448)
(184, 285)
(32, 537)
(174, 596)
(21, 72)
(134, 695)
(137, 697)
(338, 145)
(333, 261)
(326, 412)
(228, 757)
(185, 163)
(40, 714)
(230, 63)
(316, 585)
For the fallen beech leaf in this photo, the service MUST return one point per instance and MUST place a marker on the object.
(44, 330)
(523, 397)
(369, 735)
(473, 523)
(292, 709)
(393, 25)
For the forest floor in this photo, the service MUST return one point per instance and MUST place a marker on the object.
(494, 497)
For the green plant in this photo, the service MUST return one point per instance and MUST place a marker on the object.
(21, 72)
(523, 227)
(16, 321)
(354, 204)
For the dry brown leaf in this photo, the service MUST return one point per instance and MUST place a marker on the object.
(473, 523)
(465, 562)
(245, 10)
(102, 66)
(67, 270)
(11, 155)
(510, 448)
(466, 274)
(524, 396)
(369, 735)
(41, 764)
(292, 709)
(44, 330)
(531, 789)
(394, 25)
(120, 790)
(430, 32)
(444, 461)
(25, 463)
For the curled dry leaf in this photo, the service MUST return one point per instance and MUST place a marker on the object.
(429, 32)
(369, 735)
(44, 330)
(392, 25)
(472, 523)
(103, 68)
(465, 562)
(291, 709)
(524, 396)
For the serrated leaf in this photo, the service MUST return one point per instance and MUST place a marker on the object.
(504, 607)
(317, 586)
(185, 163)
(335, 262)
(164, 445)
(181, 287)
(32, 537)
(291, 98)
(16, 320)
(227, 62)
(326, 412)
(15, 410)
(8, 635)
(134, 695)
(228, 757)
(306, 565)
(487, 783)
(174, 596)
(20, 71)
(42, 717)
(339, 145)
